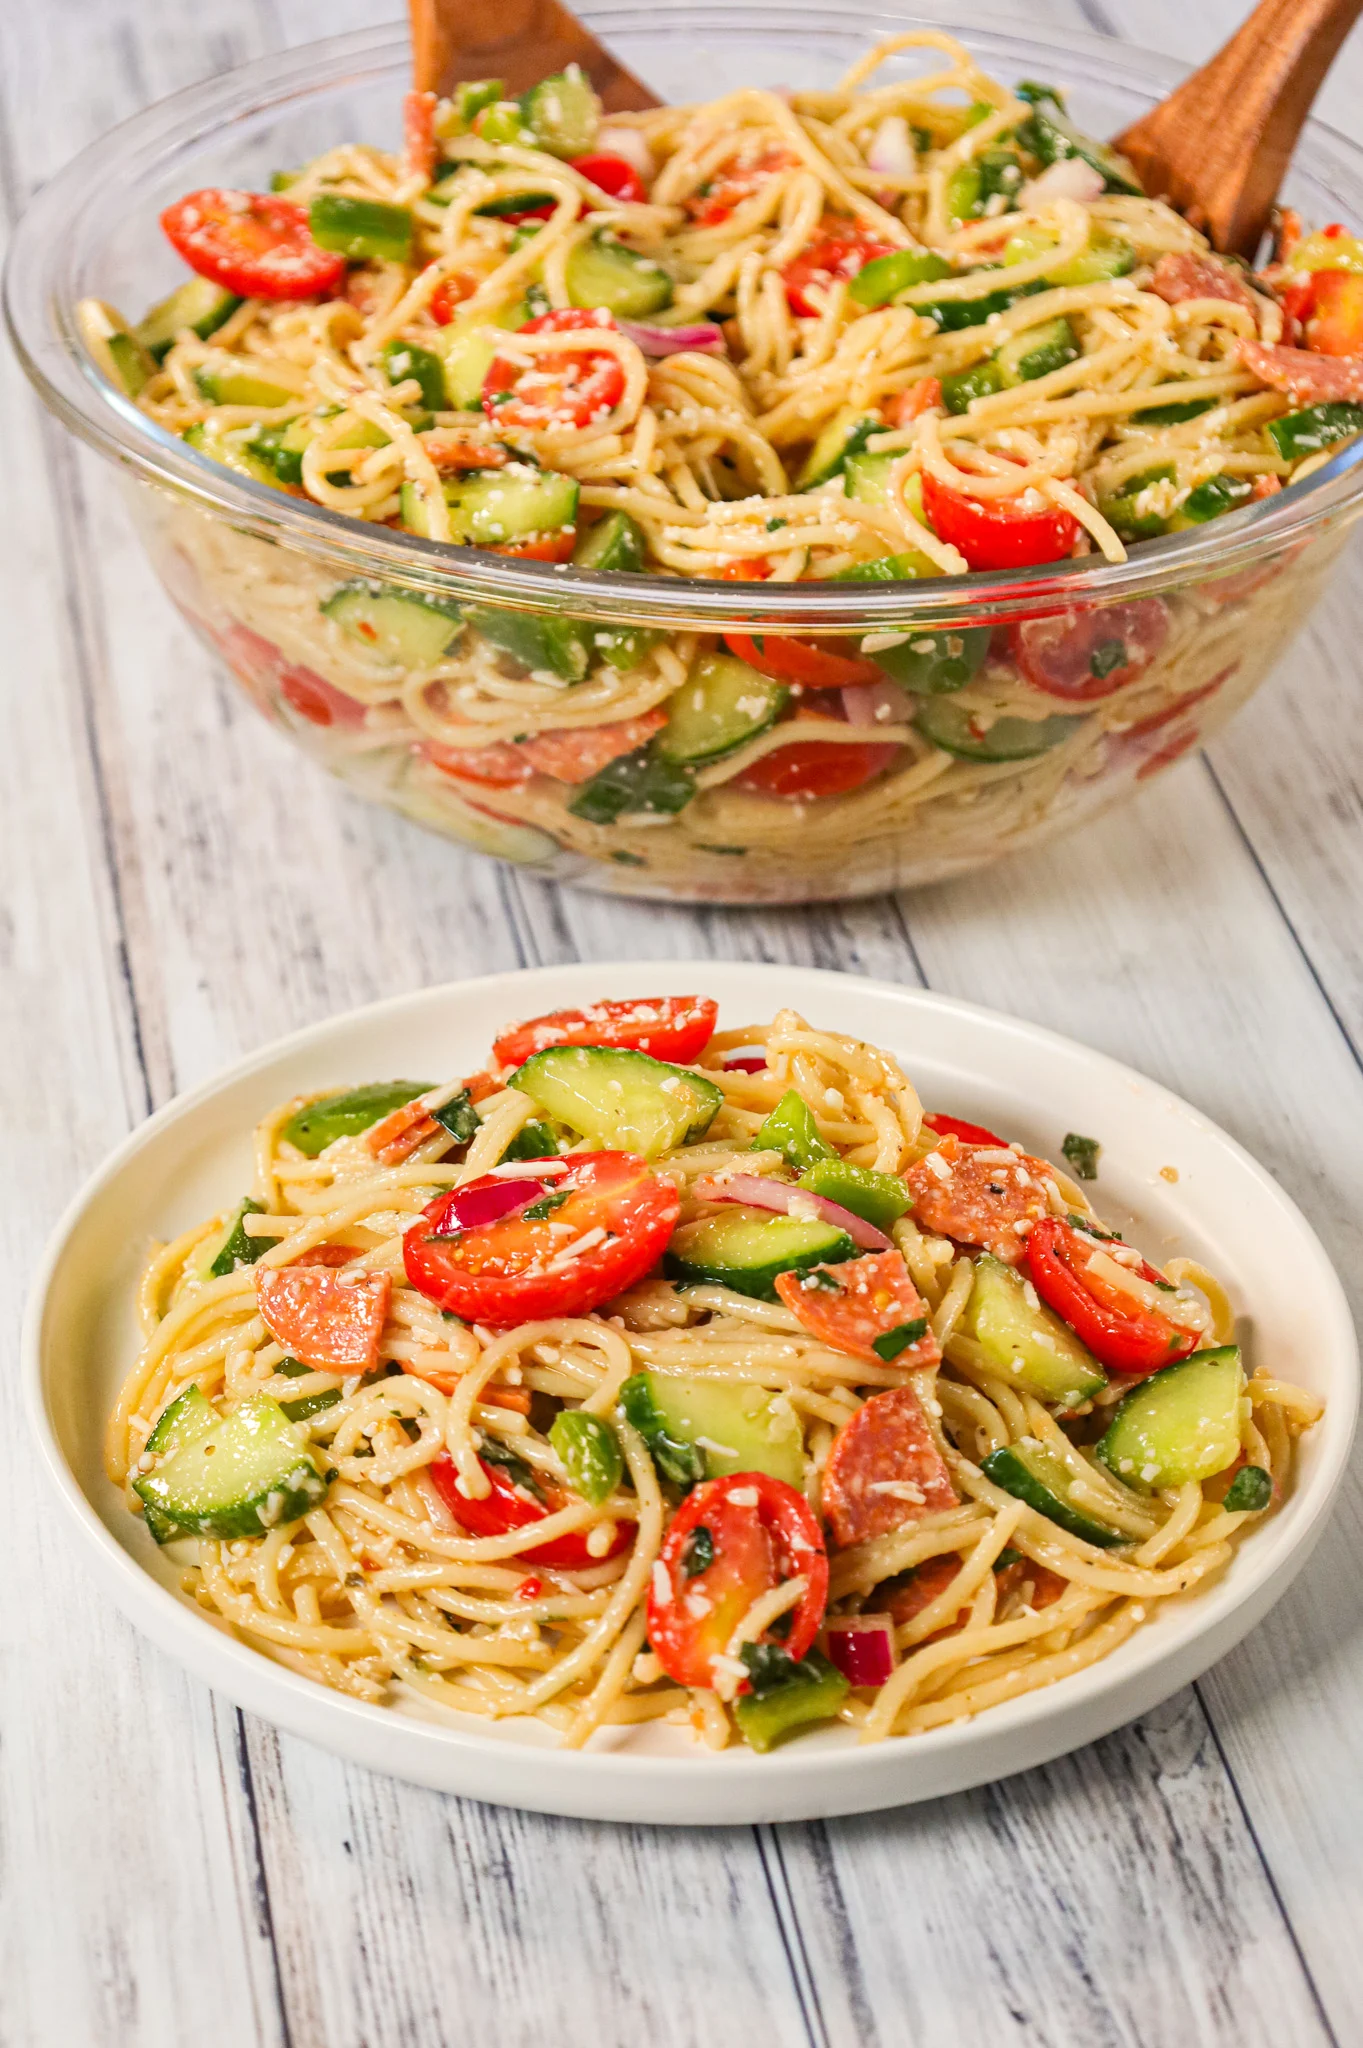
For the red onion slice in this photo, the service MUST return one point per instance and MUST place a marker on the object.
(892, 148)
(746, 1063)
(703, 338)
(487, 1201)
(884, 703)
(755, 1192)
(862, 1647)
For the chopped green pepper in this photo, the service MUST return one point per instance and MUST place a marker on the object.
(589, 1451)
(878, 1198)
(785, 1695)
(792, 1131)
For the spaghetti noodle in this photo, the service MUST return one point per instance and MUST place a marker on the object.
(801, 1405)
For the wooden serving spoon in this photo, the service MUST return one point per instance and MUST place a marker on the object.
(1217, 148)
(520, 41)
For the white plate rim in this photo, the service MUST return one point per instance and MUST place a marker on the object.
(790, 1783)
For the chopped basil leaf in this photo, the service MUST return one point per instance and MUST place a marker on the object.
(459, 1116)
(698, 1553)
(545, 1206)
(1107, 657)
(493, 1451)
(892, 1342)
(1082, 1154)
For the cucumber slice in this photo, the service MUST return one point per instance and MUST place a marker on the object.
(1106, 256)
(397, 626)
(1172, 415)
(187, 1418)
(1210, 499)
(1035, 1475)
(1318, 426)
(878, 1198)
(467, 102)
(792, 1131)
(234, 450)
(614, 545)
(745, 1249)
(1027, 1345)
(624, 1100)
(562, 113)
(934, 664)
(116, 352)
(404, 359)
(1130, 513)
(321, 1123)
(645, 780)
(785, 1695)
(845, 435)
(885, 277)
(540, 640)
(704, 1429)
(1182, 1423)
(952, 315)
(887, 569)
(233, 1245)
(242, 1477)
(1049, 133)
(962, 387)
(623, 647)
(1037, 351)
(603, 272)
(722, 704)
(361, 229)
(492, 505)
(952, 727)
(866, 478)
(282, 448)
(225, 380)
(198, 304)
(468, 358)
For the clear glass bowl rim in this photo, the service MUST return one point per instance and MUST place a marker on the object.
(41, 292)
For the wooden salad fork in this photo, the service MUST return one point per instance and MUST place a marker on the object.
(520, 41)
(1217, 148)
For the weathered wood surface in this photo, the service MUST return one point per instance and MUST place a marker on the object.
(178, 888)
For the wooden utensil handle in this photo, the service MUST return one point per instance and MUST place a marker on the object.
(520, 41)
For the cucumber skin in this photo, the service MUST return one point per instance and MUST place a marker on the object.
(213, 305)
(645, 780)
(1008, 739)
(537, 640)
(400, 610)
(1008, 1470)
(758, 1282)
(571, 1068)
(603, 272)
(1119, 1445)
(678, 1461)
(715, 678)
(297, 1484)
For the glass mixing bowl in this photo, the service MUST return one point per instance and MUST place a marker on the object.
(250, 567)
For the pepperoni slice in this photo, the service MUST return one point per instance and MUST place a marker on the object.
(1047, 1586)
(315, 699)
(884, 1469)
(1309, 379)
(398, 1136)
(918, 1589)
(867, 1306)
(331, 1321)
(1183, 274)
(329, 1255)
(496, 767)
(971, 1195)
(577, 755)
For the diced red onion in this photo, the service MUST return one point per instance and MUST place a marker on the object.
(862, 1647)
(702, 337)
(883, 703)
(474, 1206)
(746, 1063)
(1069, 178)
(754, 1191)
(630, 144)
(892, 149)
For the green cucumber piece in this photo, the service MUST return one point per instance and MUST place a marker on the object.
(198, 304)
(785, 1695)
(397, 626)
(878, 1198)
(845, 435)
(792, 1131)
(1035, 1475)
(934, 664)
(224, 381)
(623, 647)
(116, 352)
(1318, 426)
(182, 1422)
(722, 704)
(972, 185)
(1026, 1344)
(866, 477)
(234, 450)
(885, 277)
(488, 506)
(620, 1099)
(562, 113)
(1182, 1423)
(1107, 256)
(361, 229)
(321, 1123)
(725, 1427)
(1172, 415)
(308, 1405)
(646, 780)
(461, 1119)
(950, 726)
(962, 387)
(246, 1475)
(1124, 512)
(1208, 500)
(887, 568)
(283, 447)
(234, 1245)
(615, 546)
(468, 355)
(1250, 1492)
(1036, 351)
(589, 1451)
(603, 272)
(952, 315)
(538, 640)
(405, 359)
(745, 1249)
(468, 100)
(1048, 133)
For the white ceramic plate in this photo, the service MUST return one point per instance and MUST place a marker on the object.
(195, 1155)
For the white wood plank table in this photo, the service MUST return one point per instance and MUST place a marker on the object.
(179, 887)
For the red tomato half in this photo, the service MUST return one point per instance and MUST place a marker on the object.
(1085, 654)
(1332, 314)
(817, 768)
(798, 661)
(612, 175)
(733, 184)
(509, 1506)
(998, 533)
(957, 1127)
(252, 243)
(840, 249)
(515, 1270)
(762, 1532)
(447, 298)
(571, 389)
(545, 547)
(1121, 1334)
(676, 1028)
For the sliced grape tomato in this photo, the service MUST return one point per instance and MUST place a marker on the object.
(516, 1499)
(676, 1028)
(252, 243)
